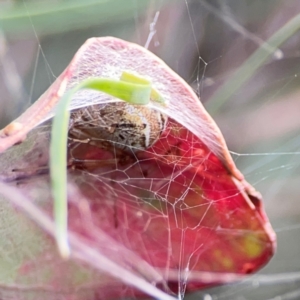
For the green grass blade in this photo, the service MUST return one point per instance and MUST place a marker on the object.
(251, 65)
(129, 77)
(58, 167)
(60, 16)
(135, 93)
(127, 91)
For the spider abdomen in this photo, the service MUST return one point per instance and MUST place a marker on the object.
(117, 124)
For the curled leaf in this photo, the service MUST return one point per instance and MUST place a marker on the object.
(178, 214)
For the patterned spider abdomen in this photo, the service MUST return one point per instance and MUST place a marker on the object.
(117, 124)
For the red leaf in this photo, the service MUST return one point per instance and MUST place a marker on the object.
(169, 212)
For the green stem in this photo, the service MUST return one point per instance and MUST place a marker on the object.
(135, 93)
(252, 64)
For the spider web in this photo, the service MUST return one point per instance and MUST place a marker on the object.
(153, 191)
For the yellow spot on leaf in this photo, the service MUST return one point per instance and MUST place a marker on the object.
(252, 245)
(223, 259)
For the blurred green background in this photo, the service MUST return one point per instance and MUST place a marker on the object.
(204, 42)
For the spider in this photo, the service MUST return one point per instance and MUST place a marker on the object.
(118, 124)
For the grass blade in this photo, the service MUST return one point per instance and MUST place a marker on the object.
(251, 65)
(127, 91)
